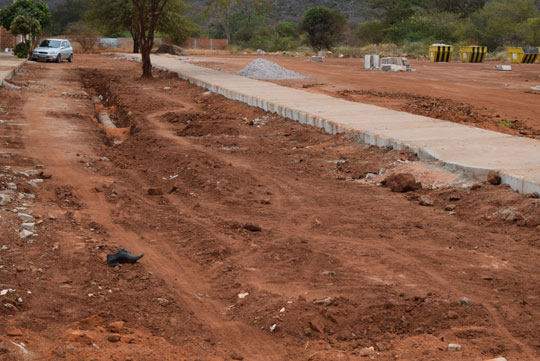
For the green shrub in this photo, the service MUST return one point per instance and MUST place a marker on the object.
(371, 32)
(22, 50)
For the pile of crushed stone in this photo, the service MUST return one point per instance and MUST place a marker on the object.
(267, 70)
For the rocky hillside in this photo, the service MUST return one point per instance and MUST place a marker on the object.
(286, 10)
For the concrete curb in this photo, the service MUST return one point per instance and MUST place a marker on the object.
(7, 75)
(430, 139)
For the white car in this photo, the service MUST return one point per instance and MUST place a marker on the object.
(53, 49)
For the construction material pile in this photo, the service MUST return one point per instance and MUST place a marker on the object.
(267, 70)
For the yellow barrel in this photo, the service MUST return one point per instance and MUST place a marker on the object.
(523, 55)
(472, 54)
(441, 53)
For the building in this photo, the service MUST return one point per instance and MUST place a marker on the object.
(6, 39)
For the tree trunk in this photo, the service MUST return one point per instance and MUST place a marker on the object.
(146, 63)
(135, 44)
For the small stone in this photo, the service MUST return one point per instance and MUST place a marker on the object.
(371, 175)
(12, 186)
(498, 359)
(167, 88)
(324, 302)
(113, 338)
(450, 208)
(454, 347)
(14, 331)
(243, 295)
(464, 301)
(25, 234)
(426, 202)
(20, 268)
(127, 339)
(494, 178)
(236, 356)
(534, 195)
(452, 315)
(28, 226)
(367, 352)
(476, 186)
(329, 273)
(25, 217)
(155, 192)
(5, 199)
(80, 337)
(116, 327)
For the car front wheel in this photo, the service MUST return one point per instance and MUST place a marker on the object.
(70, 59)
(59, 58)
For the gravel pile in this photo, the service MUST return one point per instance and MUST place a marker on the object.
(267, 70)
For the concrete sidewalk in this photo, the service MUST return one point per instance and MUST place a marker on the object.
(9, 64)
(461, 148)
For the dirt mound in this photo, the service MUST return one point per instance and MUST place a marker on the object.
(267, 70)
(171, 49)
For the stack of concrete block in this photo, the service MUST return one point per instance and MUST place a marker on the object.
(371, 62)
(395, 64)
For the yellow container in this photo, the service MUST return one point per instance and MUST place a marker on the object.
(472, 54)
(441, 53)
(519, 56)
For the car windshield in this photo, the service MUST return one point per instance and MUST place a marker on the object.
(50, 44)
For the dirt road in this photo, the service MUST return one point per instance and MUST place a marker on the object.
(473, 94)
(263, 239)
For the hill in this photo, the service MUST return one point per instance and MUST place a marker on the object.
(285, 10)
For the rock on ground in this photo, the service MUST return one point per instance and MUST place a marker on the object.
(401, 182)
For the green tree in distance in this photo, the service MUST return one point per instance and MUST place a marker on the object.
(323, 26)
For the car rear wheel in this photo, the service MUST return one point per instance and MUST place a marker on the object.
(70, 59)
(59, 58)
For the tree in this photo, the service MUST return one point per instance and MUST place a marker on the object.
(229, 12)
(500, 22)
(25, 25)
(462, 7)
(114, 17)
(36, 10)
(146, 14)
(66, 13)
(323, 26)
(393, 11)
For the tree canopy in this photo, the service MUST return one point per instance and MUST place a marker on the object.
(37, 10)
(323, 26)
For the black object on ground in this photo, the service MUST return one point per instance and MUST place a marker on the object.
(122, 256)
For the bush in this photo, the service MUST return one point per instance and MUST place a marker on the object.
(22, 50)
(84, 34)
(371, 32)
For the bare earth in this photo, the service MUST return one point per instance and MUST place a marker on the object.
(473, 94)
(224, 200)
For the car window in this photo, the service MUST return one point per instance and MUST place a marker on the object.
(64, 44)
(50, 44)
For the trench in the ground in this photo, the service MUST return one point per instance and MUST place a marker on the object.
(344, 321)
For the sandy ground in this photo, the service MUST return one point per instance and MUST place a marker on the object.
(226, 200)
(473, 94)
